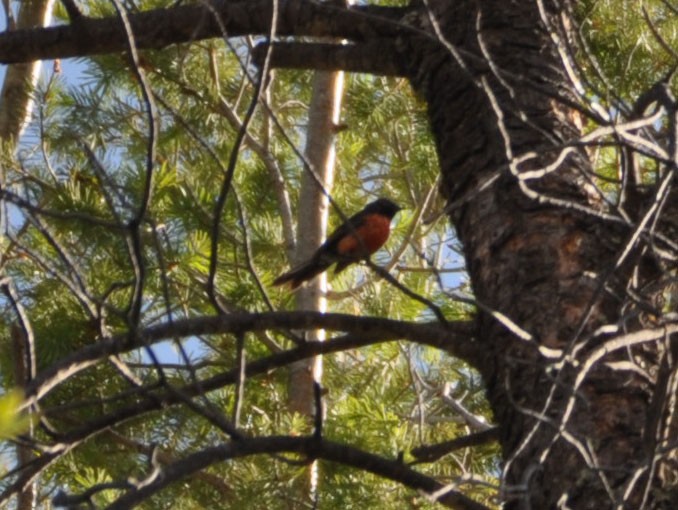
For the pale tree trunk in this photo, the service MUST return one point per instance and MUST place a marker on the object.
(323, 118)
(20, 79)
(312, 218)
(15, 111)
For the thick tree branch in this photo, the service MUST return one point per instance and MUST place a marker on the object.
(27, 473)
(374, 57)
(313, 448)
(61, 499)
(165, 457)
(452, 337)
(159, 28)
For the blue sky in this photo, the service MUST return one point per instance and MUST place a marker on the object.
(72, 73)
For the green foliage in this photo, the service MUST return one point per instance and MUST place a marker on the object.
(628, 47)
(634, 43)
(76, 272)
(12, 423)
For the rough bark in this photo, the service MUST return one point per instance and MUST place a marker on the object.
(538, 262)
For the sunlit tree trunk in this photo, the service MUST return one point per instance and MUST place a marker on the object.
(323, 117)
(20, 79)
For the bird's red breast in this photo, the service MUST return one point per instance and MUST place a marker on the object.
(368, 237)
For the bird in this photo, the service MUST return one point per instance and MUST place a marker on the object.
(356, 239)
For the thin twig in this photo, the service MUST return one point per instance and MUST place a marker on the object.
(27, 331)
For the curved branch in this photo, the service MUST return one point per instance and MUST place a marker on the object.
(313, 448)
(261, 366)
(452, 337)
(433, 452)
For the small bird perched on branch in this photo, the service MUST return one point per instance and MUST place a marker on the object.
(359, 237)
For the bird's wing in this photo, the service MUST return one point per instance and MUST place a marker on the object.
(347, 228)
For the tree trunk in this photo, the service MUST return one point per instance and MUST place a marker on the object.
(311, 232)
(15, 111)
(534, 255)
(312, 218)
(20, 79)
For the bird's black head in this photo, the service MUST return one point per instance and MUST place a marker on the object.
(383, 206)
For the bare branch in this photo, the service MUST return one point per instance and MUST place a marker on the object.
(233, 156)
(408, 292)
(74, 12)
(136, 248)
(175, 396)
(431, 453)
(26, 335)
(311, 447)
(158, 28)
(453, 337)
(75, 501)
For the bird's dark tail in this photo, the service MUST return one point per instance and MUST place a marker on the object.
(302, 273)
